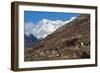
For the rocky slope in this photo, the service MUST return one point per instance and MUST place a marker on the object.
(71, 41)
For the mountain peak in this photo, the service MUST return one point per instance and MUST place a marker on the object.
(44, 19)
(45, 27)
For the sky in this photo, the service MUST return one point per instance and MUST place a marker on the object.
(31, 18)
(35, 16)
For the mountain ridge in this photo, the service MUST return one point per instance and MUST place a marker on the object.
(45, 27)
(29, 40)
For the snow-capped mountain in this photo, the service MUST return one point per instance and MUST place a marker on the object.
(46, 27)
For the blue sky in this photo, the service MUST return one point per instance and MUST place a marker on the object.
(35, 16)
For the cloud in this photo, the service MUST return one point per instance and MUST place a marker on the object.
(28, 27)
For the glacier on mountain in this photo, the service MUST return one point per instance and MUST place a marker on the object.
(44, 27)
